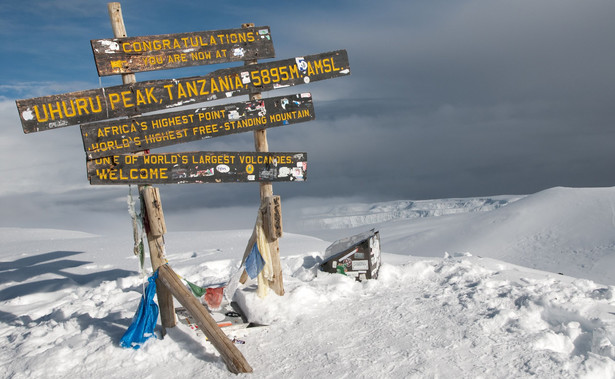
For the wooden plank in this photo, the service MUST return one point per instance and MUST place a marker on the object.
(155, 228)
(168, 51)
(198, 167)
(272, 218)
(235, 361)
(153, 211)
(107, 138)
(50, 112)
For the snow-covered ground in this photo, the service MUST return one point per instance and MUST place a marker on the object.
(505, 287)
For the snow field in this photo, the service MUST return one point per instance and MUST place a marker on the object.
(66, 298)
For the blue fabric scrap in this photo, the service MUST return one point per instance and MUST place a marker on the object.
(254, 262)
(144, 321)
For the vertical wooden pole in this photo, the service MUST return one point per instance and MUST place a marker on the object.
(155, 229)
(155, 240)
(119, 31)
(266, 191)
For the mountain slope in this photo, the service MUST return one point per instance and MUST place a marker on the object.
(569, 230)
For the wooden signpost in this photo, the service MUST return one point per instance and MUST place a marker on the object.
(198, 167)
(117, 133)
(167, 51)
(138, 133)
(55, 111)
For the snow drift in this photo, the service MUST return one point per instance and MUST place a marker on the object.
(459, 295)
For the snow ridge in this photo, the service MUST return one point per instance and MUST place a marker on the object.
(356, 215)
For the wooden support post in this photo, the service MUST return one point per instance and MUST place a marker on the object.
(266, 190)
(119, 31)
(155, 228)
(154, 221)
(272, 224)
(235, 361)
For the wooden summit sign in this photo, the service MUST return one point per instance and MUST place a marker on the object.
(138, 133)
(50, 112)
(127, 118)
(168, 51)
(198, 167)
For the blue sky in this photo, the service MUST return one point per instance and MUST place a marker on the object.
(446, 99)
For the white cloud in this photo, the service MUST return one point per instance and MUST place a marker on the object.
(52, 161)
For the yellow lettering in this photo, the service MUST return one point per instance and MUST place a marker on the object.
(82, 106)
(38, 116)
(140, 99)
(200, 55)
(151, 99)
(113, 99)
(168, 87)
(214, 87)
(202, 91)
(74, 111)
(327, 65)
(117, 64)
(294, 71)
(126, 98)
(238, 82)
(192, 88)
(180, 91)
(95, 110)
(53, 111)
(224, 84)
(333, 65)
(310, 69)
(317, 66)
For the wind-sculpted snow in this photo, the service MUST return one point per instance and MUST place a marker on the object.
(567, 230)
(356, 215)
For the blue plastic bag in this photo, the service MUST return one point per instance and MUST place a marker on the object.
(254, 262)
(144, 321)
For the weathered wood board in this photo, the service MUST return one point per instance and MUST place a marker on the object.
(138, 133)
(198, 167)
(168, 51)
(49, 112)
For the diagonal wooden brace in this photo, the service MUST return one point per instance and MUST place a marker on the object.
(235, 361)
